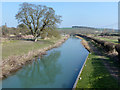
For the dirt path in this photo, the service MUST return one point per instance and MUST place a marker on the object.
(113, 70)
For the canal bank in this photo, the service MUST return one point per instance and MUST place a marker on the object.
(95, 74)
(86, 46)
(84, 43)
(13, 63)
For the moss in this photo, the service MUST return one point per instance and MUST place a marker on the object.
(117, 47)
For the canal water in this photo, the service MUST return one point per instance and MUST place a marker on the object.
(58, 69)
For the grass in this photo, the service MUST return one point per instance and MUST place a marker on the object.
(114, 40)
(95, 75)
(20, 47)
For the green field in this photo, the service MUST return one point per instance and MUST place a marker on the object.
(114, 40)
(20, 47)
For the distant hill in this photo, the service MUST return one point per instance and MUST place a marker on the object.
(87, 30)
(83, 27)
(92, 28)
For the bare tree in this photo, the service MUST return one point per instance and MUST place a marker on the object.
(37, 18)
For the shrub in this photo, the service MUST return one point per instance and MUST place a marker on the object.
(102, 43)
(105, 43)
(43, 35)
(109, 47)
(119, 40)
(92, 38)
(117, 48)
(89, 37)
(5, 30)
(97, 41)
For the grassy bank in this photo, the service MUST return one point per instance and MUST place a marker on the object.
(20, 53)
(84, 43)
(95, 74)
(20, 47)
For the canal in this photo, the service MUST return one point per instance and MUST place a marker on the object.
(58, 69)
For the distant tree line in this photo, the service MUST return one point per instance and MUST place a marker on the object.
(22, 29)
(90, 30)
(83, 27)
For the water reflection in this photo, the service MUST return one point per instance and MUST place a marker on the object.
(42, 71)
(58, 69)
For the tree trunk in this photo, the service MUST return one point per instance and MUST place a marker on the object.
(36, 39)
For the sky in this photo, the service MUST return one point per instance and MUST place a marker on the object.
(91, 14)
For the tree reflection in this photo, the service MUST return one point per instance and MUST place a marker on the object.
(41, 72)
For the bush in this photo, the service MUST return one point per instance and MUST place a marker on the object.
(53, 33)
(102, 43)
(109, 47)
(97, 41)
(5, 30)
(43, 35)
(119, 40)
(117, 48)
(92, 38)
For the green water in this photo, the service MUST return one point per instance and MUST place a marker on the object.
(58, 69)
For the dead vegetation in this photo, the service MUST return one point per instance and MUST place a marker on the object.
(85, 43)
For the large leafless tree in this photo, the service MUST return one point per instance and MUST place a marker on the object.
(37, 18)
